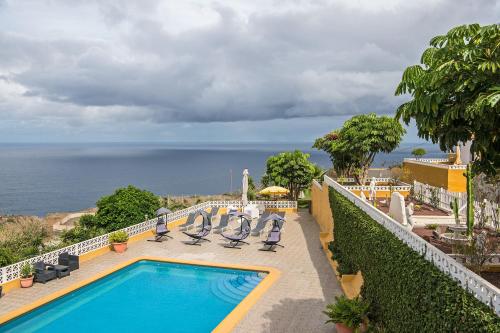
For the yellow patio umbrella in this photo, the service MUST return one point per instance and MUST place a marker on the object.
(274, 190)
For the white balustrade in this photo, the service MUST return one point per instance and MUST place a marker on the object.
(317, 184)
(443, 198)
(468, 280)
(436, 162)
(12, 272)
(379, 187)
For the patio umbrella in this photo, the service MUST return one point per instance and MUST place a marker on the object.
(244, 188)
(274, 190)
(163, 211)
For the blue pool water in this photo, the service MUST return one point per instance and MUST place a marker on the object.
(147, 296)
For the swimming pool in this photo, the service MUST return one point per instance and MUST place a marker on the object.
(147, 296)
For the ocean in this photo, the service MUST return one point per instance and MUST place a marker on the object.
(36, 179)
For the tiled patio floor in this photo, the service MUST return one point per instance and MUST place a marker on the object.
(293, 304)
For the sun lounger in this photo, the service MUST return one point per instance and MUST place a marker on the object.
(272, 240)
(213, 212)
(189, 222)
(205, 231)
(236, 239)
(44, 272)
(261, 223)
(223, 223)
(280, 222)
(274, 236)
(66, 259)
(160, 232)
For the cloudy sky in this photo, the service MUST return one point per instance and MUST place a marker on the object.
(185, 70)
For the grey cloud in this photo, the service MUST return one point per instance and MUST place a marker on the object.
(320, 61)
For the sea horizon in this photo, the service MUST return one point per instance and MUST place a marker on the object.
(42, 178)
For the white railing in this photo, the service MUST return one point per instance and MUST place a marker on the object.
(12, 272)
(400, 187)
(442, 198)
(436, 162)
(406, 187)
(377, 180)
(283, 204)
(427, 160)
(317, 184)
(492, 259)
(471, 282)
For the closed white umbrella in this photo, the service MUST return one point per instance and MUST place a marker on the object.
(244, 188)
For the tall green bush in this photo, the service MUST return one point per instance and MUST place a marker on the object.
(125, 207)
(407, 292)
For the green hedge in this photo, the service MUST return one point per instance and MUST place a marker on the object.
(407, 293)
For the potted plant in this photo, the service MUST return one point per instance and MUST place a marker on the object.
(26, 275)
(349, 315)
(119, 241)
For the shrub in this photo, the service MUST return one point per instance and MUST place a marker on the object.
(7, 257)
(350, 312)
(88, 221)
(79, 234)
(26, 271)
(118, 237)
(434, 199)
(125, 207)
(432, 226)
(21, 239)
(407, 293)
(343, 265)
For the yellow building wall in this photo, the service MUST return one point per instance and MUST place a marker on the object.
(320, 209)
(322, 213)
(457, 181)
(450, 179)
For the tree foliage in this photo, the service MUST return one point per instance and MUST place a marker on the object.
(127, 206)
(456, 92)
(353, 147)
(291, 170)
(418, 152)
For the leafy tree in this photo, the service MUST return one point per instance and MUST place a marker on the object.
(455, 93)
(127, 206)
(418, 152)
(343, 161)
(291, 170)
(353, 147)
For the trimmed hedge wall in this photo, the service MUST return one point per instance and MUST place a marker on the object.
(407, 293)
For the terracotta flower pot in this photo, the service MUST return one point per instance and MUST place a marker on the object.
(341, 328)
(119, 247)
(26, 282)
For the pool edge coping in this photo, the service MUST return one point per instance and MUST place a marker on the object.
(226, 325)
